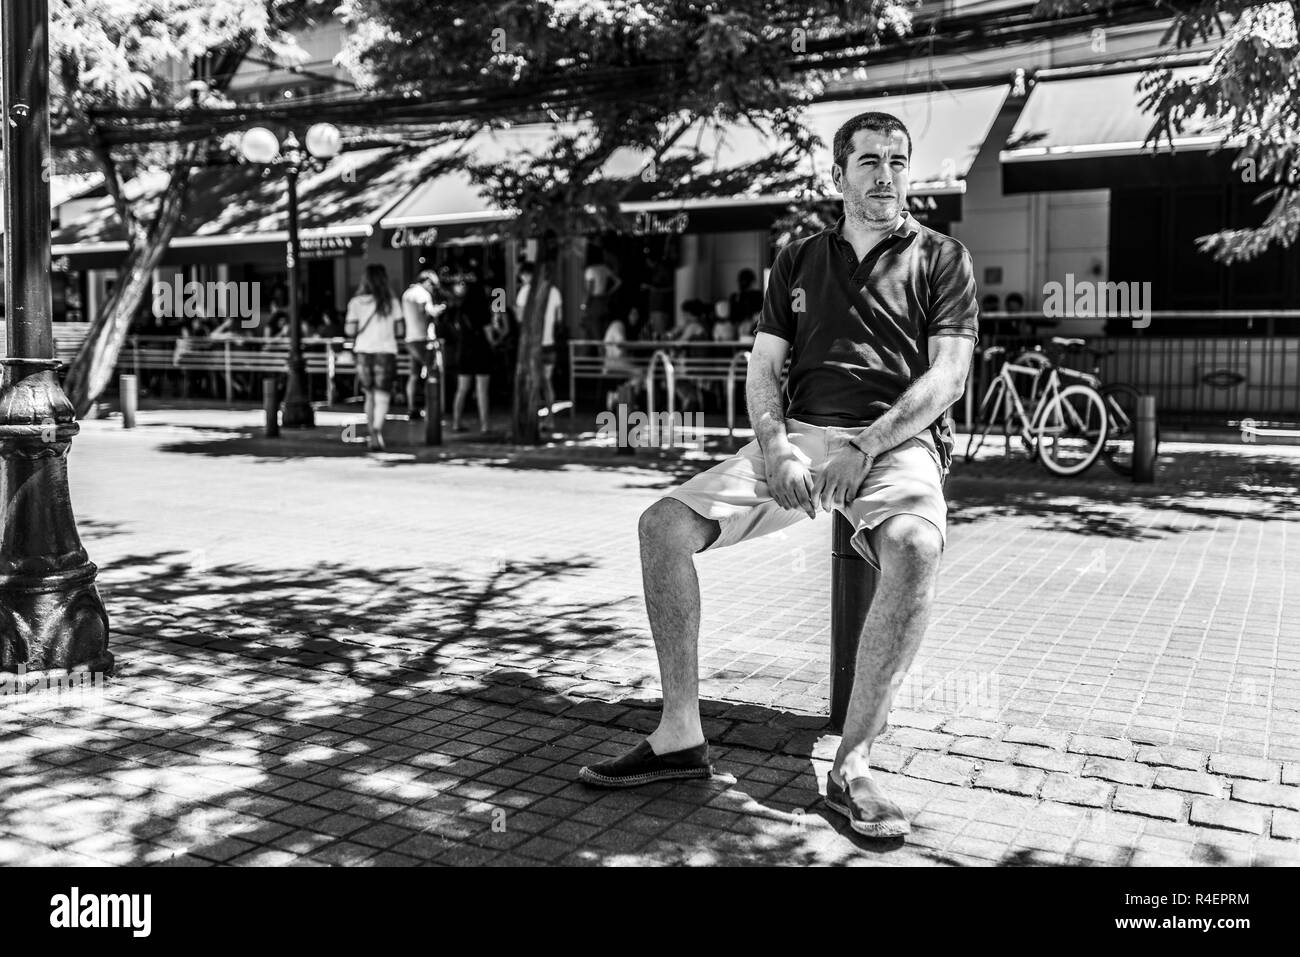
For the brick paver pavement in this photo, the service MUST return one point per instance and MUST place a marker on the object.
(332, 658)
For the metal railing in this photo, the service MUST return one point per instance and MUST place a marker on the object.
(1194, 378)
(228, 357)
(692, 361)
(660, 356)
(731, 391)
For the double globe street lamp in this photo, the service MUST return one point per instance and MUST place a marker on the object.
(261, 146)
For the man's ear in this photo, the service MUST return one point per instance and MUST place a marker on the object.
(837, 177)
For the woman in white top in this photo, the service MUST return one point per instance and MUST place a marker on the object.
(374, 319)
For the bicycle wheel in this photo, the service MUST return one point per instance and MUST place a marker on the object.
(989, 408)
(1072, 430)
(1121, 411)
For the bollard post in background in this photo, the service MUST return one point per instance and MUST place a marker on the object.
(433, 401)
(1144, 440)
(129, 391)
(853, 583)
(271, 405)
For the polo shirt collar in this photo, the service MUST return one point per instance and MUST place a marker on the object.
(906, 227)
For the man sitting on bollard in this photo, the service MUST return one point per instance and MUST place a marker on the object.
(879, 315)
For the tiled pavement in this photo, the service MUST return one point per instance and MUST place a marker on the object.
(327, 658)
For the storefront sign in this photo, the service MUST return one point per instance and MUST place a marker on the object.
(328, 247)
(647, 224)
(935, 208)
(414, 238)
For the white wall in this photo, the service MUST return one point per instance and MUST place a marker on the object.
(1033, 237)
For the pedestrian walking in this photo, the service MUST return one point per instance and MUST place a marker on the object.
(422, 305)
(861, 429)
(471, 314)
(374, 321)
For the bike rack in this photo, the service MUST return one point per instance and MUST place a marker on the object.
(670, 379)
(731, 393)
(1250, 430)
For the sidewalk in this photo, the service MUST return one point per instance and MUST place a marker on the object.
(330, 658)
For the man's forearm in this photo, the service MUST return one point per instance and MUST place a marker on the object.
(925, 400)
(763, 394)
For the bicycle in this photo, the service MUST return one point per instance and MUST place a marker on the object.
(1120, 398)
(1068, 428)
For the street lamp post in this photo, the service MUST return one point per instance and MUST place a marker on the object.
(297, 408)
(260, 145)
(52, 620)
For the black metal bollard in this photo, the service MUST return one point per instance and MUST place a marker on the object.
(433, 402)
(1144, 440)
(853, 583)
(271, 406)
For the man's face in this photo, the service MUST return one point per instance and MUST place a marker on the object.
(874, 179)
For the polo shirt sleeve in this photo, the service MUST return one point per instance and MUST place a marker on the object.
(778, 313)
(954, 303)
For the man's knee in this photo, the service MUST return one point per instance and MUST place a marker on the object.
(669, 525)
(909, 540)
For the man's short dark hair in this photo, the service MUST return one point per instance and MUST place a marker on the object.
(747, 275)
(876, 123)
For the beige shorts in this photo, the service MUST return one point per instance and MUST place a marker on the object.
(907, 480)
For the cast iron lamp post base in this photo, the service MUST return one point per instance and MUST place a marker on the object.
(51, 617)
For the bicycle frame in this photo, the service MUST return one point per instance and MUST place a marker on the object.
(1031, 426)
(1014, 404)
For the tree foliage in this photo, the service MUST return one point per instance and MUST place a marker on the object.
(635, 73)
(126, 53)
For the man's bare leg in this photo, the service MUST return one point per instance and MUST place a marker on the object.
(909, 549)
(671, 533)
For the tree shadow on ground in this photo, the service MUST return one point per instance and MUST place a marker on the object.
(672, 465)
(423, 615)
(275, 769)
(198, 757)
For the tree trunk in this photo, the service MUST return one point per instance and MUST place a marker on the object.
(91, 371)
(528, 364)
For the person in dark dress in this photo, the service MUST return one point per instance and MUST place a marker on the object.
(472, 316)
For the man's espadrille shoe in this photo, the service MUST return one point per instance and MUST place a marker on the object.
(642, 766)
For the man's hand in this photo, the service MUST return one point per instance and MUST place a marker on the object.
(840, 477)
(790, 481)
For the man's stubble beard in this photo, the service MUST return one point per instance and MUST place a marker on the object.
(858, 210)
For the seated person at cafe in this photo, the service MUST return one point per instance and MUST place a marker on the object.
(746, 302)
(617, 361)
(724, 329)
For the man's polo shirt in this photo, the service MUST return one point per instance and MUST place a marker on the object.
(859, 331)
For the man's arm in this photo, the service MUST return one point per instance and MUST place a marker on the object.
(927, 398)
(788, 478)
(763, 391)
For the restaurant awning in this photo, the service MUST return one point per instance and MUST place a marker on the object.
(240, 213)
(747, 176)
(1088, 133)
(450, 205)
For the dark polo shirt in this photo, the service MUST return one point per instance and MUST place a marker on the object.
(859, 331)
